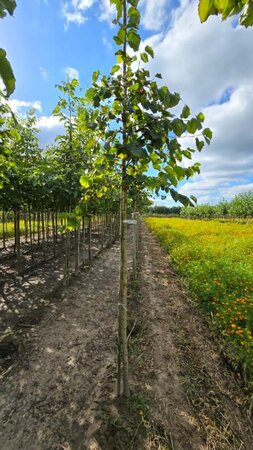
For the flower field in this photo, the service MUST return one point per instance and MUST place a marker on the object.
(216, 260)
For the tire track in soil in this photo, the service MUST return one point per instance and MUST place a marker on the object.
(198, 400)
(46, 403)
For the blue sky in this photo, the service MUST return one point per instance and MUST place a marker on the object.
(209, 64)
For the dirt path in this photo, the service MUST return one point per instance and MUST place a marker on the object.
(61, 394)
(46, 402)
(198, 401)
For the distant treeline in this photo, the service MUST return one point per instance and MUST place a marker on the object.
(165, 211)
(241, 206)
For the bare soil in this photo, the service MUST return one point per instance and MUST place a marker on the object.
(60, 393)
(45, 400)
(199, 402)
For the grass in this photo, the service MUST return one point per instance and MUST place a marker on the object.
(216, 260)
(9, 229)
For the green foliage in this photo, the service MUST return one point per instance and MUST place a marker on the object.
(6, 72)
(227, 8)
(240, 207)
(164, 210)
(131, 119)
(216, 260)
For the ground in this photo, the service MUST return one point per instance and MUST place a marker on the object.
(60, 392)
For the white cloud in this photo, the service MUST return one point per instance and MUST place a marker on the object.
(154, 13)
(74, 11)
(227, 164)
(71, 73)
(202, 60)
(209, 65)
(107, 43)
(108, 11)
(44, 73)
(19, 106)
(49, 127)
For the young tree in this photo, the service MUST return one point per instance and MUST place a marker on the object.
(133, 123)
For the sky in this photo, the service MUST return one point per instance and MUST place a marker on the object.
(209, 64)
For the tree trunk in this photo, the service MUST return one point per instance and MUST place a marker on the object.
(67, 257)
(77, 251)
(54, 234)
(30, 231)
(83, 243)
(89, 238)
(122, 309)
(3, 229)
(17, 214)
(43, 234)
(38, 227)
(26, 227)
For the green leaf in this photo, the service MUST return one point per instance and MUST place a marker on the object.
(134, 17)
(84, 181)
(133, 39)
(192, 197)
(8, 5)
(115, 69)
(149, 50)
(119, 56)
(90, 94)
(144, 57)
(246, 18)
(158, 75)
(120, 36)
(201, 117)
(6, 73)
(118, 4)
(136, 150)
(199, 144)
(95, 76)
(178, 127)
(133, 2)
(179, 171)
(192, 126)
(205, 8)
(207, 133)
(186, 112)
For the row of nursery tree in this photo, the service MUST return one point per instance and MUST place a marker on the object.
(241, 206)
(123, 125)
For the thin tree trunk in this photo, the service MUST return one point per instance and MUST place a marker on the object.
(54, 235)
(30, 231)
(89, 238)
(18, 240)
(135, 231)
(77, 251)
(26, 227)
(56, 228)
(122, 309)
(38, 227)
(67, 257)
(83, 243)
(102, 233)
(3, 229)
(43, 234)
(34, 225)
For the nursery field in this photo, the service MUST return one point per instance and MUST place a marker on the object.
(216, 261)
